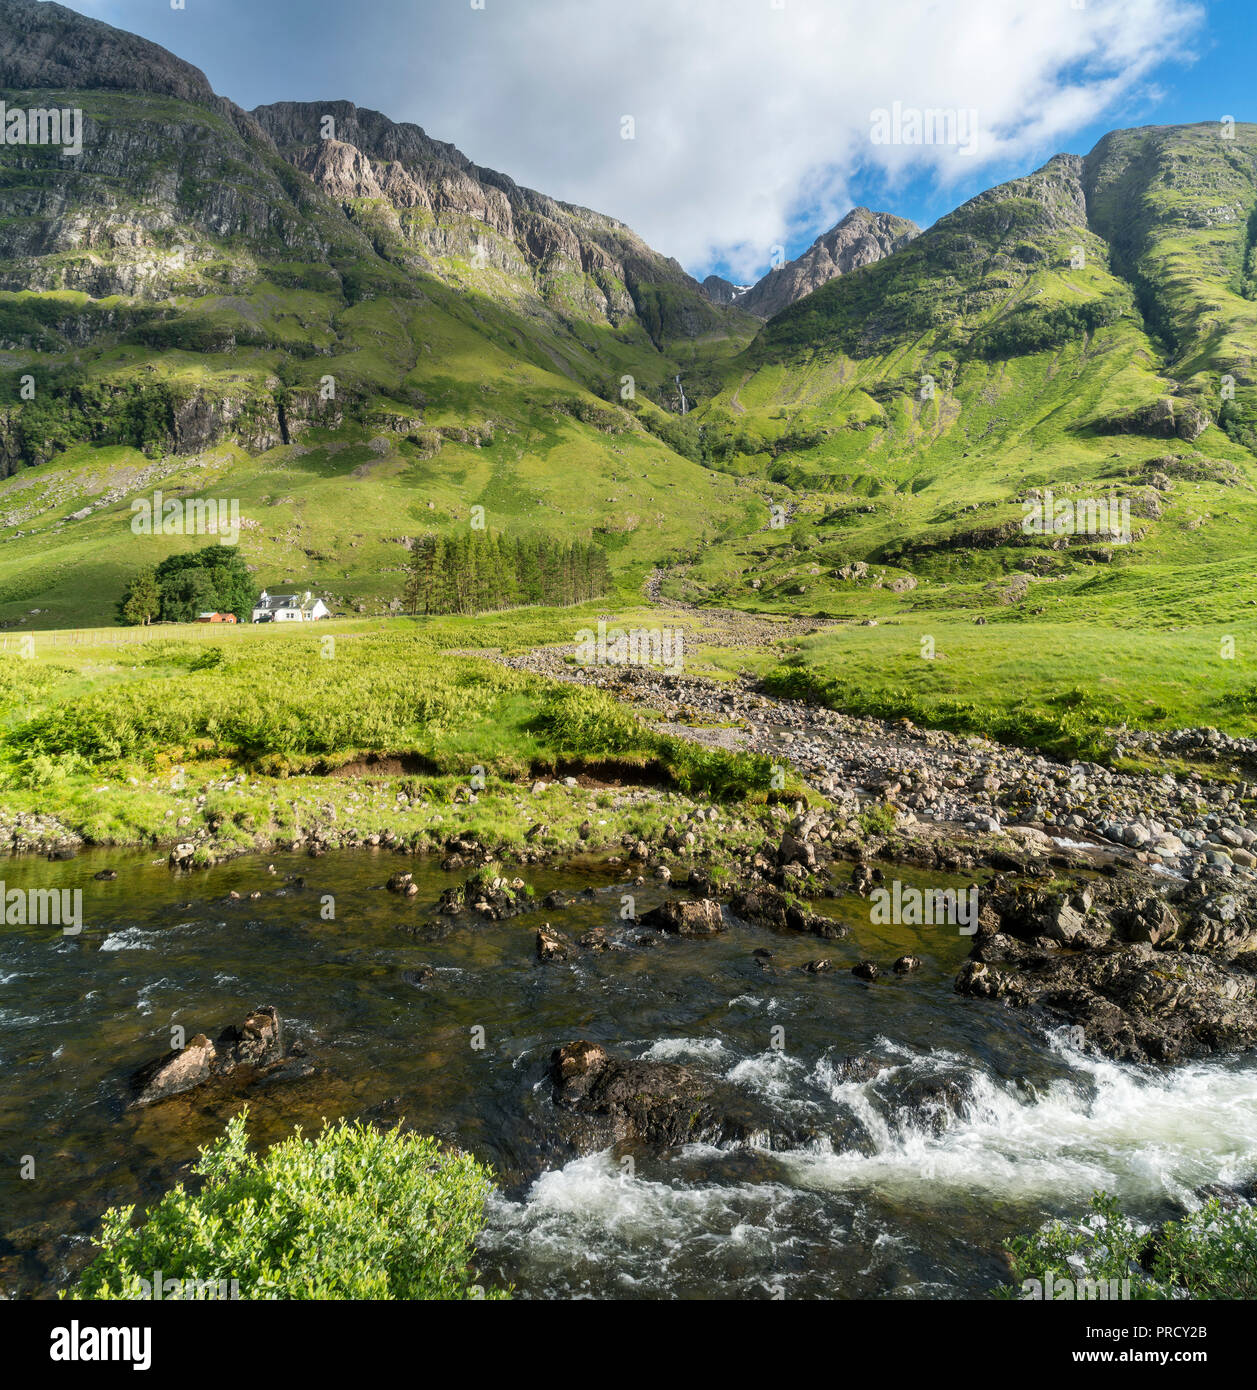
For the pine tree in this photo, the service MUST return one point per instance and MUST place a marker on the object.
(475, 572)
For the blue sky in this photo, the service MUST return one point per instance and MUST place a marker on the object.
(1219, 80)
(751, 119)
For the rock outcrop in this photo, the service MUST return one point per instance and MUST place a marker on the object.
(605, 1100)
(681, 918)
(767, 907)
(425, 204)
(255, 1043)
(1148, 972)
(49, 46)
(861, 238)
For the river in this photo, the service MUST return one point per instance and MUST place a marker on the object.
(973, 1124)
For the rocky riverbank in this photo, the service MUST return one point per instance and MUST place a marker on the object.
(1126, 902)
(1187, 825)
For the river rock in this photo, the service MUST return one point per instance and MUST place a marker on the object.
(493, 897)
(604, 1100)
(1135, 1004)
(796, 850)
(681, 918)
(176, 1072)
(551, 944)
(1153, 971)
(255, 1043)
(767, 907)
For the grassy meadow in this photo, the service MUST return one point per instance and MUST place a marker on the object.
(124, 740)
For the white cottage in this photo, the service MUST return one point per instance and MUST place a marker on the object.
(289, 608)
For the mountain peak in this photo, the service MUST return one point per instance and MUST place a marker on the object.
(45, 46)
(426, 206)
(860, 238)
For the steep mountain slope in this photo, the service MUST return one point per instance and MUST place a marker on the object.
(1069, 330)
(861, 238)
(1178, 208)
(428, 207)
(181, 306)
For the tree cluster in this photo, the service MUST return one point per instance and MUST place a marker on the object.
(478, 571)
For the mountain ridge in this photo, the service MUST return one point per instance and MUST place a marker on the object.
(396, 171)
(858, 239)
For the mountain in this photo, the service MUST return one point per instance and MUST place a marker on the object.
(861, 238)
(359, 335)
(48, 47)
(426, 207)
(303, 330)
(722, 291)
(1087, 329)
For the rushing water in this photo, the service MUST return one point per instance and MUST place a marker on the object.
(911, 1198)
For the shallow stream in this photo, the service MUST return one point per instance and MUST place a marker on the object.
(977, 1125)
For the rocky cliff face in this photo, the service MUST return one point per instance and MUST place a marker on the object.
(425, 204)
(861, 238)
(722, 291)
(176, 192)
(145, 210)
(49, 46)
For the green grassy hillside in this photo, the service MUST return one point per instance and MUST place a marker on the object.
(355, 335)
(181, 308)
(1071, 332)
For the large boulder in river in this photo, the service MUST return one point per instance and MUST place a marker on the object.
(701, 918)
(1135, 1003)
(176, 1072)
(767, 907)
(255, 1043)
(606, 1099)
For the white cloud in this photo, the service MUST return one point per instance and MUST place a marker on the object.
(749, 116)
(752, 121)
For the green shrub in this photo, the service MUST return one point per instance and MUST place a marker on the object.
(715, 772)
(1031, 328)
(1209, 1254)
(208, 660)
(877, 819)
(589, 722)
(354, 1213)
